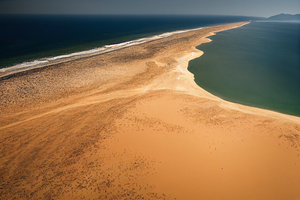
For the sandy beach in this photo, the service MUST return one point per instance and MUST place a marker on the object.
(133, 124)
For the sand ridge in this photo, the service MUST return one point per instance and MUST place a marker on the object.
(132, 124)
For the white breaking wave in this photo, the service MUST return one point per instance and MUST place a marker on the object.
(23, 65)
(81, 53)
(95, 51)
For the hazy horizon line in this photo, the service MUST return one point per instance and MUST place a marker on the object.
(130, 14)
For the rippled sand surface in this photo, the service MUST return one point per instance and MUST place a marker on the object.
(132, 124)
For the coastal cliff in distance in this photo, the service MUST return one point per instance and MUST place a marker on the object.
(285, 17)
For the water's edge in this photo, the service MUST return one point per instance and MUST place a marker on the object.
(22, 68)
(276, 104)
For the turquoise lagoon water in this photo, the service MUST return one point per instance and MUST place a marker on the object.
(257, 65)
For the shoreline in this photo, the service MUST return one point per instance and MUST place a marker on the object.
(44, 63)
(11, 71)
(133, 124)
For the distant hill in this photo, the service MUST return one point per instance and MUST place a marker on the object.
(285, 17)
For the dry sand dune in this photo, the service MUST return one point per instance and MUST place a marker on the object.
(132, 124)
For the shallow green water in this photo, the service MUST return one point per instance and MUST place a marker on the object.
(257, 65)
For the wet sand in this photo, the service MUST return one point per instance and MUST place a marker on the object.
(132, 124)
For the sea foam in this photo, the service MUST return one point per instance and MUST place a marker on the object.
(92, 52)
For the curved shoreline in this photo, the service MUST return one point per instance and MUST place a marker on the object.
(133, 124)
(230, 70)
(225, 103)
(193, 88)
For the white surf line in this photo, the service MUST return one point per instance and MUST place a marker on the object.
(92, 52)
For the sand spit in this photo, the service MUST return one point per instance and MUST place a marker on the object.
(18, 69)
(132, 124)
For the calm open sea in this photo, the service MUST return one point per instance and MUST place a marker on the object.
(26, 38)
(257, 65)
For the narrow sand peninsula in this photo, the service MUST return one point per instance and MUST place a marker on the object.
(132, 124)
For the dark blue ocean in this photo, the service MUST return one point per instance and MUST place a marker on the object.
(26, 38)
(257, 65)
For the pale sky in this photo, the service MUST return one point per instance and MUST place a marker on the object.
(262, 8)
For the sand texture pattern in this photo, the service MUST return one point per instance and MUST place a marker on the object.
(132, 124)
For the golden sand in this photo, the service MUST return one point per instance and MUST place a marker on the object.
(132, 124)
